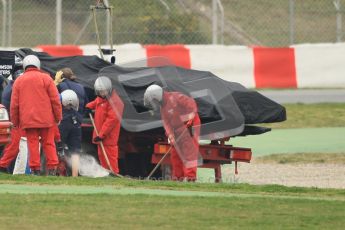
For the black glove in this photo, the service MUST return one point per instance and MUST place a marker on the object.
(97, 139)
(59, 146)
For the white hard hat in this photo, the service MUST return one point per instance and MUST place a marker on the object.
(153, 94)
(31, 60)
(103, 83)
(70, 99)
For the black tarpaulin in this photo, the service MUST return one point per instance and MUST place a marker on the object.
(225, 108)
(6, 63)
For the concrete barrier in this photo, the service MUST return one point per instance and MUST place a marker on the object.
(298, 66)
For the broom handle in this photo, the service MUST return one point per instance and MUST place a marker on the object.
(159, 163)
(102, 147)
(166, 154)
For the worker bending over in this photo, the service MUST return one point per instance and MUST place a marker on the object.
(182, 127)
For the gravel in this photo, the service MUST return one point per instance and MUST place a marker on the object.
(302, 175)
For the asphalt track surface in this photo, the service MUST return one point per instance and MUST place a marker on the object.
(307, 96)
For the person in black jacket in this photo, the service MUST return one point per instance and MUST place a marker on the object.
(66, 79)
(3, 84)
(70, 126)
(7, 92)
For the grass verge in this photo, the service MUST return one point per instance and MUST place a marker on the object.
(170, 185)
(103, 211)
(312, 116)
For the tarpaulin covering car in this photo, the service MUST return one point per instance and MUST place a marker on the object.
(225, 108)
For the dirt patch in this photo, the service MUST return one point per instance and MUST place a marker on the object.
(306, 175)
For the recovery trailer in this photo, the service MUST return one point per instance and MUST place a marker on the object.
(227, 109)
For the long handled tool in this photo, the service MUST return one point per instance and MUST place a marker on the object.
(165, 154)
(159, 163)
(103, 149)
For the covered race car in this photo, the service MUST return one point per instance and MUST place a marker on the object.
(226, 109)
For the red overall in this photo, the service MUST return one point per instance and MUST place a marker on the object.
(182, 122)
(11, 150)
(36, 108)
(108, 115)
(57, 135)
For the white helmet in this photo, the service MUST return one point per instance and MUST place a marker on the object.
(103, 84)
(70, 99)
(31, 60)
(153, 96)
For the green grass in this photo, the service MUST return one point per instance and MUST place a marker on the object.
(314, 20)
(152, 212)
(232, 188)
(238, 206)
(244, 207)
(298, 158)
(312, 116)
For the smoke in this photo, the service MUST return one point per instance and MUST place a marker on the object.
(89, 167)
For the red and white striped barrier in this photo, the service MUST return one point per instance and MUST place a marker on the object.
(300, 66)
(320, 66)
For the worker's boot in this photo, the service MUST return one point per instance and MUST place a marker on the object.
(36, 172)
(51, 172)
